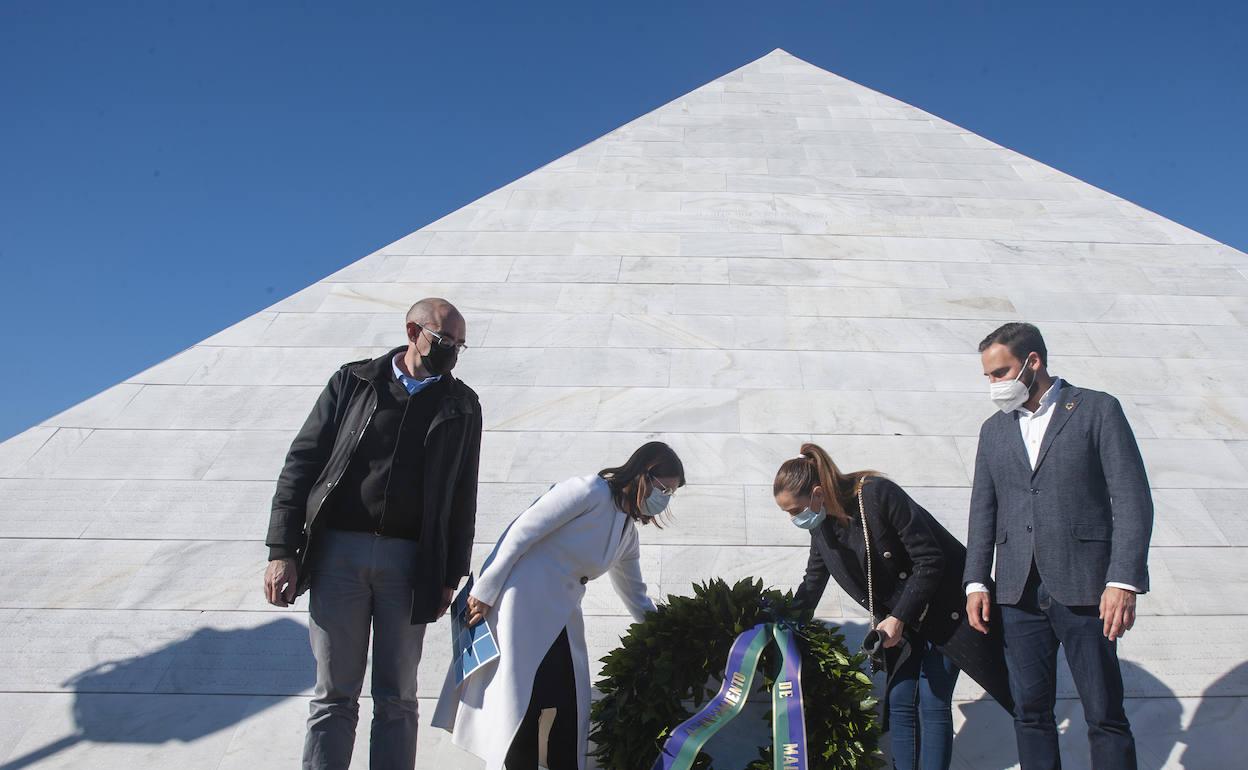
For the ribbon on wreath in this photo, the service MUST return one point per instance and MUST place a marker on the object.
(788, 724)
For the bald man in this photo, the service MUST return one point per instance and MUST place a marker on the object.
(374, 512)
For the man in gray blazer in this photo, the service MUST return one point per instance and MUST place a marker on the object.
(1061, 496)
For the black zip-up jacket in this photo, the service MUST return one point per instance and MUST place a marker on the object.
(382, 491)
(323, 449)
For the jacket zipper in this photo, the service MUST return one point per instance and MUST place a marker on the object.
(333, 484)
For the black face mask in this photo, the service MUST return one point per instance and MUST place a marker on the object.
(439, 360)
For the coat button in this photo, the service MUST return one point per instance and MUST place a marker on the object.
(584, 580)
(954, 615)
(888, 554)
(903, 575)
(1028, 527)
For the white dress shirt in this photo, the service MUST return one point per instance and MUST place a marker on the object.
(1033, 426)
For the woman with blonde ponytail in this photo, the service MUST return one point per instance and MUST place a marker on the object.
(891, 556)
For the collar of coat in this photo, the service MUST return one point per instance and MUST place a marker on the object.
(457, 398)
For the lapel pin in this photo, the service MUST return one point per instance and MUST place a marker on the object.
(1070, 406)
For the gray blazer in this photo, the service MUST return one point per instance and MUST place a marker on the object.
(1084, 515)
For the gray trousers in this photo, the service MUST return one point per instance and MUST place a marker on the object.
(362, 581)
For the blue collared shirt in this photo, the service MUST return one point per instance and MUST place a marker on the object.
(412, 384)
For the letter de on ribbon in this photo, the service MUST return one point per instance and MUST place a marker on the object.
(788, 724)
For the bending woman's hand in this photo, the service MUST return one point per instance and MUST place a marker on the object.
(891, 629)
(477, 610)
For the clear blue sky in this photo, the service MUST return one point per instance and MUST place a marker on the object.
(168, 168)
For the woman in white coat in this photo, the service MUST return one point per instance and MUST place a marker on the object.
(530, 593)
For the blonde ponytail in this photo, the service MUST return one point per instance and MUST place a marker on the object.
(814, 467)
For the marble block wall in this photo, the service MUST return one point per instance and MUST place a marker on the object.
(778, 256)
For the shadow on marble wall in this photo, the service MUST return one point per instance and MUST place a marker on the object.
(1216, 733)
(985, 741)
(114, 701)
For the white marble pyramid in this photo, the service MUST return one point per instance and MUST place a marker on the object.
(778, 255)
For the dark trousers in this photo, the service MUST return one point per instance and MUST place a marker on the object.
(920, 712)
(1033, 630)
(554, 686)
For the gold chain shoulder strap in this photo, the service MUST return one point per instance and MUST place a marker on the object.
(866, 544)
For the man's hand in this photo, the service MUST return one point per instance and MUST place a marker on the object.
(477, 610)
(1117, 611)
(978, 610)
(891, 629)
(280, 580)
(447, 595)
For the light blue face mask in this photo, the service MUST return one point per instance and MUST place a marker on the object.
(657, 500)
(809, 519)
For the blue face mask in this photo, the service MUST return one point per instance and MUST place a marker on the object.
(809, 519)
(656, 502)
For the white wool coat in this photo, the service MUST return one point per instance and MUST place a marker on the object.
(534, 586)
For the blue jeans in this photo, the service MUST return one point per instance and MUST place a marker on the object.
(1033, 630)
(920, 711)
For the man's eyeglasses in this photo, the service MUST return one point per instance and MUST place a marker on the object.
(443, 341)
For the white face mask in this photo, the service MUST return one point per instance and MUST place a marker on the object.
(1009, 395)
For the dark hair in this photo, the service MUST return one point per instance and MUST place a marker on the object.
(801, 475)
(1022, 339)
(630, 482)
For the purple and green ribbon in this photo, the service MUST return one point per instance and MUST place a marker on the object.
(787, 715)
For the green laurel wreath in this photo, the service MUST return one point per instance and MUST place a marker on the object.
(678, 654)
